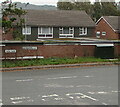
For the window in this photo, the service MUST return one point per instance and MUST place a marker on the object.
(103, 33)
(66, 32)
(98, 34)
(26, 30)
(45, 32)
(83, 31)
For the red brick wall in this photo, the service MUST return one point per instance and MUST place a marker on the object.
(51, 51)
(20, 51)
(56, 51)
(103, 26)
(66, 50)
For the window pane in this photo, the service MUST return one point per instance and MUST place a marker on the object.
(82, 31)
(71, 31)
(60, 31)
(103, 33)
(39, 31)
(51, 30)
(45, 30)
(66, 31)
(27, 30)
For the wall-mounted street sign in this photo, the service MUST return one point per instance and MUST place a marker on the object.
(30, 47)
(10, 51)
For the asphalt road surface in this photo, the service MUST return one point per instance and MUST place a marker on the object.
(65, 86)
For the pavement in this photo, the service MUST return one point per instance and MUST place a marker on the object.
(59, 66)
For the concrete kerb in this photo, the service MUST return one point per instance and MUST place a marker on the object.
(60, 66)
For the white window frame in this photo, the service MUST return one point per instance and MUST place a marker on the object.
(103, 33)
(84, 30)
(25, 29)
(66, 35)
(40, 32)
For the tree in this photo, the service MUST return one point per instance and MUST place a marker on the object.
(73, 5)
(97, 10)
(65, 5)
(109, 8)
(12, 16)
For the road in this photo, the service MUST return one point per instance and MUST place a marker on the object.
(65, 86)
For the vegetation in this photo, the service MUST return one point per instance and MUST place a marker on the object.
(12, 17)
(95, 10)
(51, 61)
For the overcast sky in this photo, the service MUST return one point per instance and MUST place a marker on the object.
(43, 2)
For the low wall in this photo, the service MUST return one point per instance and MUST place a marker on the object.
(19, 52)
(37, 50)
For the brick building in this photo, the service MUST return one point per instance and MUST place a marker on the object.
(108, 27)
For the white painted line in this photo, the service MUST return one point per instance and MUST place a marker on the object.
(82, 96)
(27, 80)
(19, 98)
(43, 100)
(114, 91)
(88, 76)
(52, 95)
(84, 86)
(101, 92)
(1, 104)
(104, 103)
(71, 97)
(63, 77)
(58, 98)
(16, 102)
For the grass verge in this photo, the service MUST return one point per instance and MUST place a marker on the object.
(52, 61)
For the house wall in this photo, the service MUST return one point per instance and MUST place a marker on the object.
(90, 32)
(34, 33)
(103, 26)
(56, 32)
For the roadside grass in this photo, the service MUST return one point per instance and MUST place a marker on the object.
(52, 61)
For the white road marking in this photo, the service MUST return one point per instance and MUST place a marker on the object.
(84, 86)
(19, 98)
(27, 80)
(58, 98)
(82, 96)
(1, 102)
(63, 77)
(88, 76)
(100, 92)
(52, 95)
(71, 97)
(16, 102)
(57, 85)
(43, 100)
(114, 91)
(104, 103)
